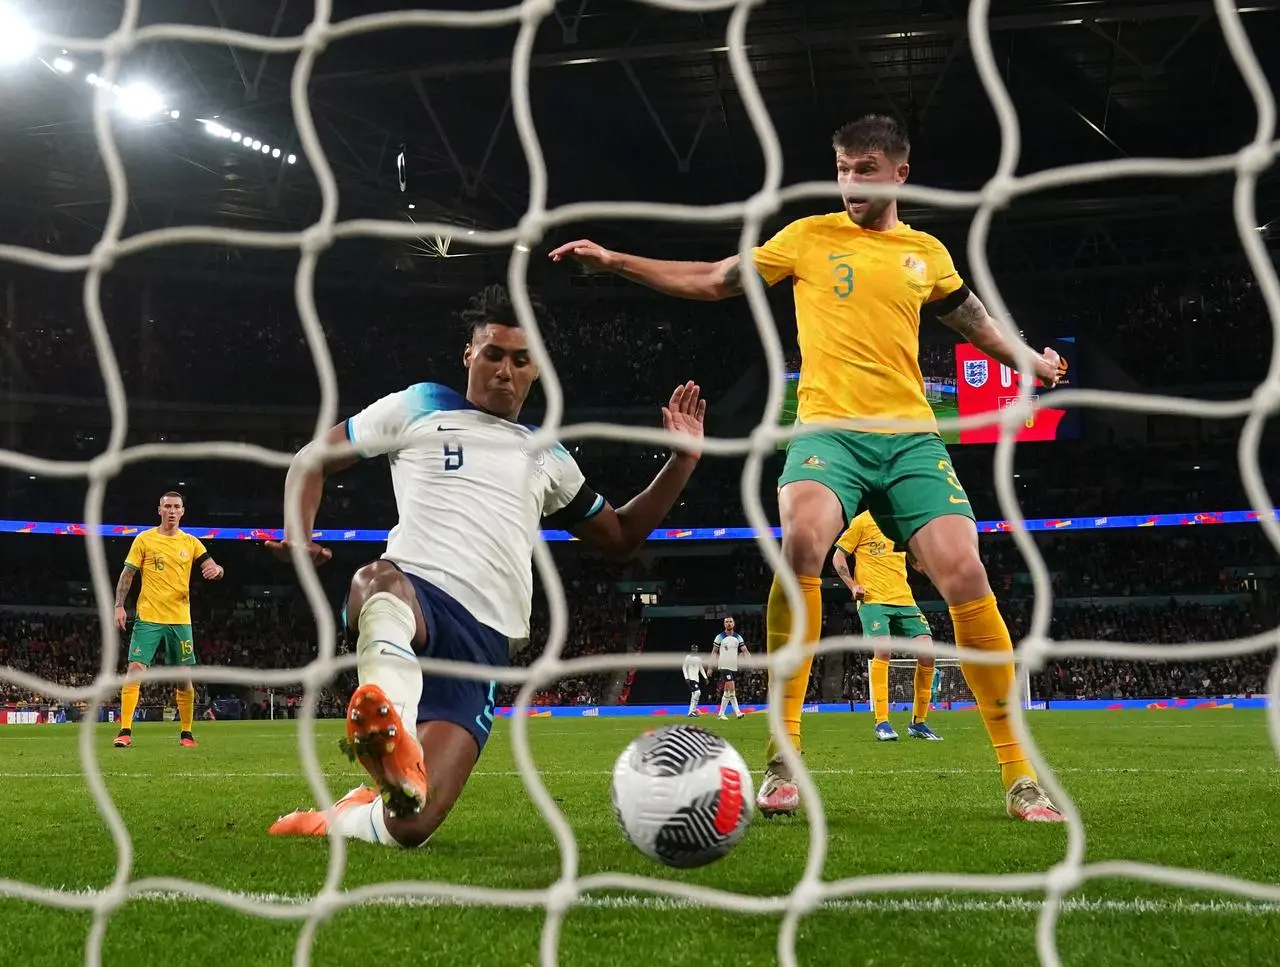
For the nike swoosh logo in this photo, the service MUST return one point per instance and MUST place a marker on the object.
(844, 255)
(450, 429)
(957, 500)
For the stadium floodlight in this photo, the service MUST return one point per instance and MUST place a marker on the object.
(91, 79)
(236, 137)
(275, 153)
(266, 149)
(140, 100)
(255, 144)
(63, 65)
(175, 114)
(17, 37)
(292, 159)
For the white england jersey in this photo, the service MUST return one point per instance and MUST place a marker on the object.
(470, 498)
(728, 655)
(693, 670)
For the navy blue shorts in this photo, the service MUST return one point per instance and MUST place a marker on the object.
(453, 634)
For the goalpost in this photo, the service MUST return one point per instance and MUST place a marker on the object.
(795, 900)
(947, 690)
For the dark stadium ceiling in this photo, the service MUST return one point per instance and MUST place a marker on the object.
(636, 102)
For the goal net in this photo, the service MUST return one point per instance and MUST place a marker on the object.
(794, 901)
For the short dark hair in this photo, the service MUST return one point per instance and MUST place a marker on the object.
(874, 132)
(174, 493)
(492, 305)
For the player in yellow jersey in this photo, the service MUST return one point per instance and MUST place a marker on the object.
(163, 556)
(885, 607)
(860, 280)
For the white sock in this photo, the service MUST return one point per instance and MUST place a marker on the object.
(724, 700)
(366, 822)
(693, 699)
(734, 699)
(385, 657)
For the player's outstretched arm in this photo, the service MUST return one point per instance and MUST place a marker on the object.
(840, 561)
(123, 584)
(619, 532)
(309, 479)
(971, 320)
(703, 281)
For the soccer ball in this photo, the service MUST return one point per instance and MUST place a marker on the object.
(682, 795)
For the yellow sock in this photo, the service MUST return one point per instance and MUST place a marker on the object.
(778, 630)
(186, 698)
(880, 689)
(922, 692)
(978, 625)
(128, 703)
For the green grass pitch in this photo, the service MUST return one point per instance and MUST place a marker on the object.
(1188, 788)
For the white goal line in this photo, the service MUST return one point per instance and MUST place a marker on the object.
(939, 905)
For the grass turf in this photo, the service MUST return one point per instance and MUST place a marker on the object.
(1193, 789)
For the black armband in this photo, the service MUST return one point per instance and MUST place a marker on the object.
(586, 503)
(949, 303)
(201, 559)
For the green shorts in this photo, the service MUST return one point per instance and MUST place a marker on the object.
(899, 620)
(904, 479)
(148, 636)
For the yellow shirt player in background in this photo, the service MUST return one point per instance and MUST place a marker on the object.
(860, 280)
(885, 607)
(163, 556)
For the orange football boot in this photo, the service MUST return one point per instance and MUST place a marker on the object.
(312, 822)
(390, 753)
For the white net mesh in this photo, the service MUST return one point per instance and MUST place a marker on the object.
(811, 890)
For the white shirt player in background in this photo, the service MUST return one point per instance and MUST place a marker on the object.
(457, 571)
(694, 675)
(725, 651)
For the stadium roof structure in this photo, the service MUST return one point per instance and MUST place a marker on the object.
(636, 102)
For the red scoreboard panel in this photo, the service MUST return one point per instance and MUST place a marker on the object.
(983, 385)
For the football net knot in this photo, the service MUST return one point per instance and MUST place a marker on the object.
(811, 891)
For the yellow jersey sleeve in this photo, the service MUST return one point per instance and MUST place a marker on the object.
(851, 537)
(946, 279)
(776, 259)
(137, 553)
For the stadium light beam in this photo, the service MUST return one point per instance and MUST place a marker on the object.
(140, 100)
(17, 38)
(63, 65)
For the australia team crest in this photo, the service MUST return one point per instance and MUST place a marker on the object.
(975, 372)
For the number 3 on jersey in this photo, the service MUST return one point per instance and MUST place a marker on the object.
(453, 456)
(842, 272)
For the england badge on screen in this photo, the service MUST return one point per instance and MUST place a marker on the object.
(975, 372)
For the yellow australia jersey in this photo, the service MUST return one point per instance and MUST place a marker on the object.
(164, 561)
(876, 565)
(858, 295)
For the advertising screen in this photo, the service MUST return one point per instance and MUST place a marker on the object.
(961, 381)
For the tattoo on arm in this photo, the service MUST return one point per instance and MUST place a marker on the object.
(123, 585)
(968, 318)
(733, 278)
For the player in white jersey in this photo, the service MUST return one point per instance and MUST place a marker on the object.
(456, 579)
(725, 651)
(694, 675)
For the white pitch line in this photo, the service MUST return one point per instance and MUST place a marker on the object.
(923, 770)
(942, 904)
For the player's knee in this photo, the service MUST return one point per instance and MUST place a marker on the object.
(958, 574)
(413, 831)
(375, 578)
(804, 549)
